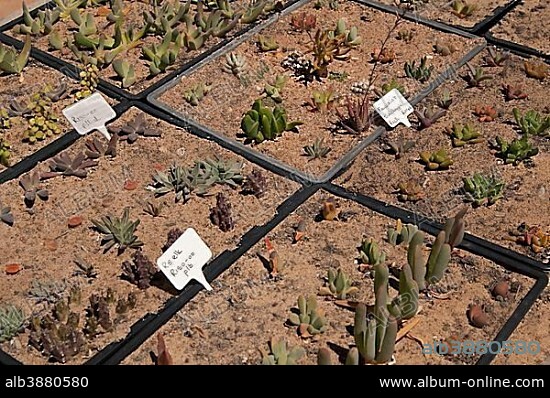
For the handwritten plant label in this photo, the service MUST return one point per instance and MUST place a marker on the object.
(394, 108)
(90, 114)
(184, 260)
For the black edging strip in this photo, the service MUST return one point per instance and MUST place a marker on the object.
(117, 352)
(498, 14)
(46, 152)
(515, 48)
(519, 264)
(117, 92)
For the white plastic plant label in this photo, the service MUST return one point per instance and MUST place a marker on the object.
(184, 260)
(89, 114)
(394, 108)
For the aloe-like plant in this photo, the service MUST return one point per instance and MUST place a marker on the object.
(495, 57)
(12, 62)
(516, 151)
(118, 231)
(125, 71)
(317, 150)
(339, 285)
(12, 320)
(281, 354)
(357, 118)
(310, 319)
(438, 160)
(483, 189)
(261, 123)
(532, 123)
(462, 134)
(421, 72)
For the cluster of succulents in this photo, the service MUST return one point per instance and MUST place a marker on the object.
(516, 151)
(196, 93)
(135, 128)
(89, 80)
(339, 285)
(421, 72)
(438, 160)
(317, 150)
(532, 123)
(4, 152)
(220, 215)
(462, 134)
(480, 189)
(310, 320)
(262, 123)
(281, 354)
(140, 271)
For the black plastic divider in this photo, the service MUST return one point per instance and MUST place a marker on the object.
(507, 259)
(117, 92)
(116, 352)
(478, 29)
(182, 120)
(516, 48)
(49, 150)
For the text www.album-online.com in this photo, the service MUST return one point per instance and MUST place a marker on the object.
(483, 382)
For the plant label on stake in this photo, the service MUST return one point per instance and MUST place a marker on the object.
(90, 114)
(184, 260)
(394, 108)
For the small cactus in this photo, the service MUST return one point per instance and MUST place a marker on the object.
(339, 285)
(310, 320)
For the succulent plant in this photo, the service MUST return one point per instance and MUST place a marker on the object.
(41, 25)
(495, 57)
(430, 271)
(462, 8)
(486, 113)
(5, 152)
(84, 268)
(254, 10)
(303, 22)
(383, 55)
(513, 92)
(402, 233)
(428, 116)
(140, 271)
(220, 215)
(163, 55)
(536, 70)
(40, 127)
(56, 93)
(5, 119)
(165, 17)
(350, 36)
(13, 62)
(445, 101)
(280, 354)
(480, 189)
(89, 79)
(99, 314)
(125, 71)
(266, 44)
(455, 228)
(389, 86)
(533, 236)
(357, 118)
(515, 152)
(422, 72)
(438, 160)
(370, 253)
(196, 93)
(172, 236)
(18, 108)
(254, 184)
(324, 357)
(476, 76)
(532, 123)
(273, 91)
(329, 210)
(31, 185)
(235, 64)
(64, 165)
(444, 48)
(405, 305)
(5, 215)
(399, 147)
(12, 320)
(261, 123)
(410, 191)
(326, 48)
(462, 134)
(135, 128)
(310, 320)
(66, 7)
(317, 150)
(96, 149)
(49, 290)
(152, 208)
(339, 285)
(118, 232)
(176, 179)
(322, 100)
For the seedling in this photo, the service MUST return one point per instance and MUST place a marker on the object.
(310, 320)
(401, 233)
(220, 215)
(496, 57)
(273, 91)
(357, 120)
(438, 160)
(463, 9)
(536, 70)
(13, 62)
(476, 76)
(317, 150)
(486, 113)
(483, 189)
(428, 116)
(421, 73)
(400, 147)
(339, 285)
(370, 253)
(261, 123)
(196, 93)
(140, 271)
(118, 232)
(135, 128)
(280, 354)
(322, 100)
(410, 191)
(12, 320)
(32, 187)
(445, 101)
(64, 165)
(515, 152)
(266, 44)
(464, 134)
(532, 123)
(255, 184)
(513, 92)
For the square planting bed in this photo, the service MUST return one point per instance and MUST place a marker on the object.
(519, 217)
(53, 253)
(142, 28)
(250, 305)
(526, 25)
(231, 95)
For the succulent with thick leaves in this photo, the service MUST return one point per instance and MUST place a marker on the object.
(532, 123)
(140, 271)
(255, 184)
(438, 260)
(254, 10)
(164, 18)
(163, 55)
(399, 147)
(416, 259)
(96, 149)
(135, 128)
(326, 48)
(438, 160)
(350, 36)
(280, 354)
(12, 320)
(261, 123)
(177, 179)
(339, 285)
(234, 64)
(220, 171)
(405, 305)
(193, 37)
(118, 231)
(66, 7)
(196, 93)
(89, 79)
(410, 191)
(370, 253)
(125, 71)
(455, 227)
(13, 62)
(41, 25)
(64, 165)
(401, 233)
(464, 134)
(481, 189)
(428, 116)
(216, 23)
(422, 72)
(5, 215)
(266, 44)
(322, 100)
(323, 356)
(476, 76)
(4, 152)
(310, 320)
(462, 8)
(317, 150)
(517, 151)
(273, 91)
(5, 119)
(389, 86)
(220, 215)
(31, 185)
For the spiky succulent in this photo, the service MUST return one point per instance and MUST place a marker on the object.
(118, 231)
(12, 320)
(481, 188)
(317, 150)
(532, 123)
(516, 151)
(280, 354)
(339, 285)
(176, 179)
